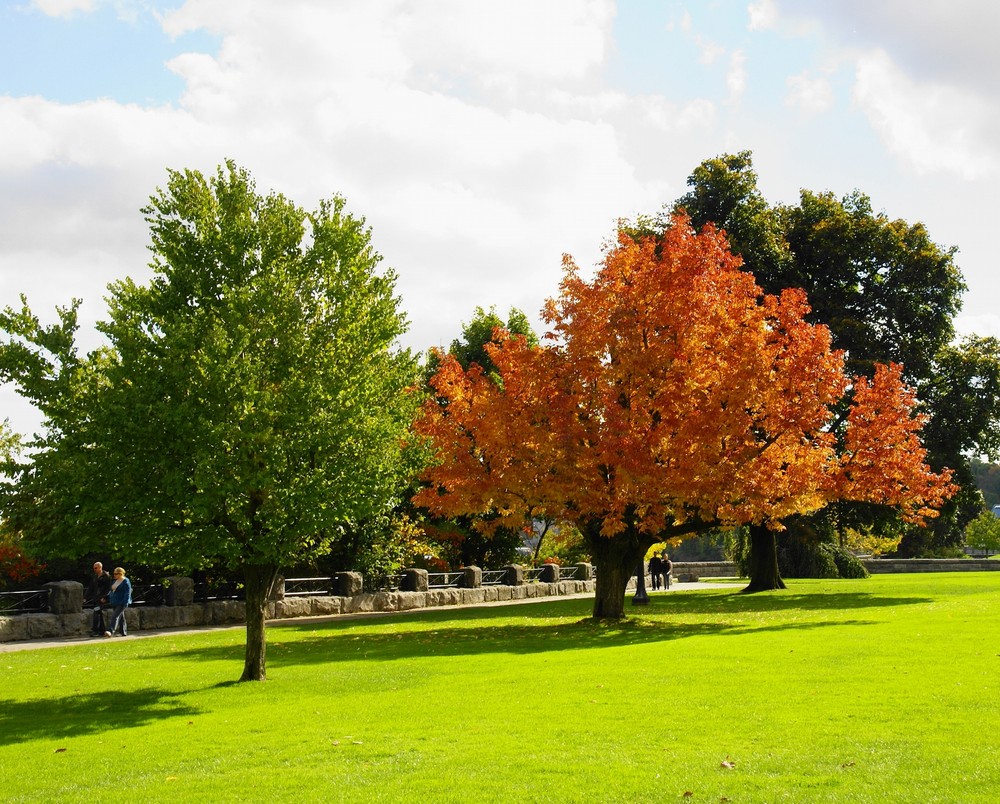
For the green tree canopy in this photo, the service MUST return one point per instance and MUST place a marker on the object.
(250, 402)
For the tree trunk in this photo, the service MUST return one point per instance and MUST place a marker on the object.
(764, 574)
(259, 579)
(615, 560)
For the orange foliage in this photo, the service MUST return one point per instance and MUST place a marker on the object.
(670, 394)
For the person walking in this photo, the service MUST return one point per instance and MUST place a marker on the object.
(97, 598)
(666, 567)
(655, 570)
(120, 598)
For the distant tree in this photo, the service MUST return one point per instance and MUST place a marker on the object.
(983, 532)
(250, 402)
(672, 396)
(987, 477)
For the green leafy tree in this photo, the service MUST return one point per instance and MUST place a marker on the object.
(983, 532)
(251, 400)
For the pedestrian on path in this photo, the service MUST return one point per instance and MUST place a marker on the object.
(97, 598)
(120, 598)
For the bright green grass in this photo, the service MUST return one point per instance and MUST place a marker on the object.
(884, 690)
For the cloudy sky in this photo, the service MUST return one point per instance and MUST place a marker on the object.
(482, 140)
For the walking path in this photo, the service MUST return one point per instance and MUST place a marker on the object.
(34, 644)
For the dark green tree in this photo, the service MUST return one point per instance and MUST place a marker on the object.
(251, 400)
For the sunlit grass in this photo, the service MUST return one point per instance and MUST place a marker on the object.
(879, 690)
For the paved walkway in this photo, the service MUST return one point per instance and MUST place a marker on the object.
(35, 644)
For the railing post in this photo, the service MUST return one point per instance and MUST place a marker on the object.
(513, 575)
(584, 572)
(179, 590)
(472, 577)
(414, 580)
(348, 584)
(65, 597)
(277, 589)
(550, 573)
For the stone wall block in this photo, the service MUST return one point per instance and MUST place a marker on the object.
(472, 577)
(13, 628)
(292, 607)
(411, 600)
(180, 590)
(325, 605)
(348, 584)
(415, 580)
(65, 597)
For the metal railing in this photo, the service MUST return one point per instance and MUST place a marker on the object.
(308, 587)
(533, 574)
(444, 580)
(32, 602)
(568, 573)
(494, 577)
(149, 594)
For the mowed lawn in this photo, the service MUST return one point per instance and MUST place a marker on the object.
(884, 690)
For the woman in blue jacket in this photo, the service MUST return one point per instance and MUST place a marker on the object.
(120, 598)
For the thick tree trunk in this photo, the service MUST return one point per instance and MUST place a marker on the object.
(258, 581)
(615, 560)
(764, 575)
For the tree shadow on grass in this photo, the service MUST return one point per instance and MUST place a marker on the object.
(716, 601)
(76, 715)
(330, 642)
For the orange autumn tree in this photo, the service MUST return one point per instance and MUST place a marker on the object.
(670, 395)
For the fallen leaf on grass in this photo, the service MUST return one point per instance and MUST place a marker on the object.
(171, 778)
(727, 763)
(688, 794)
(847, 765)
(60, 750)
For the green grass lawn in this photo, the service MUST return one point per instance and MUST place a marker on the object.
(884, 690)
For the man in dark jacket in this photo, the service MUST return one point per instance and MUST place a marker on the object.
(97, 597)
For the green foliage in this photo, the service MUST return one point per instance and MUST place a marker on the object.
(477, 333)
(250, 402)
(983, 532)
(987, 477)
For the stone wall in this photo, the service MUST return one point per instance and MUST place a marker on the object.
(232, 612)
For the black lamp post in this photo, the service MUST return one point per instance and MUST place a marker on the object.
(640, 598)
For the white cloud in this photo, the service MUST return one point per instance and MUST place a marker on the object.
(810, 95)
(736, 75)
(762, 15)
(64, 8)
(931, 125)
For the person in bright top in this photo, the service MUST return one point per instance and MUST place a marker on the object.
(120, 598)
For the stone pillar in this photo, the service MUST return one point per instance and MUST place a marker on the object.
(585, 572)
(348, 584)
(180, 590)
(277, 589)
(65, 597)
(513, 575)
(414, 580)
(550, 573)
(472, 577)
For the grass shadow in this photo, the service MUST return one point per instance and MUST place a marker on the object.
(714, 601)
(76, 715)
(329, 642)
